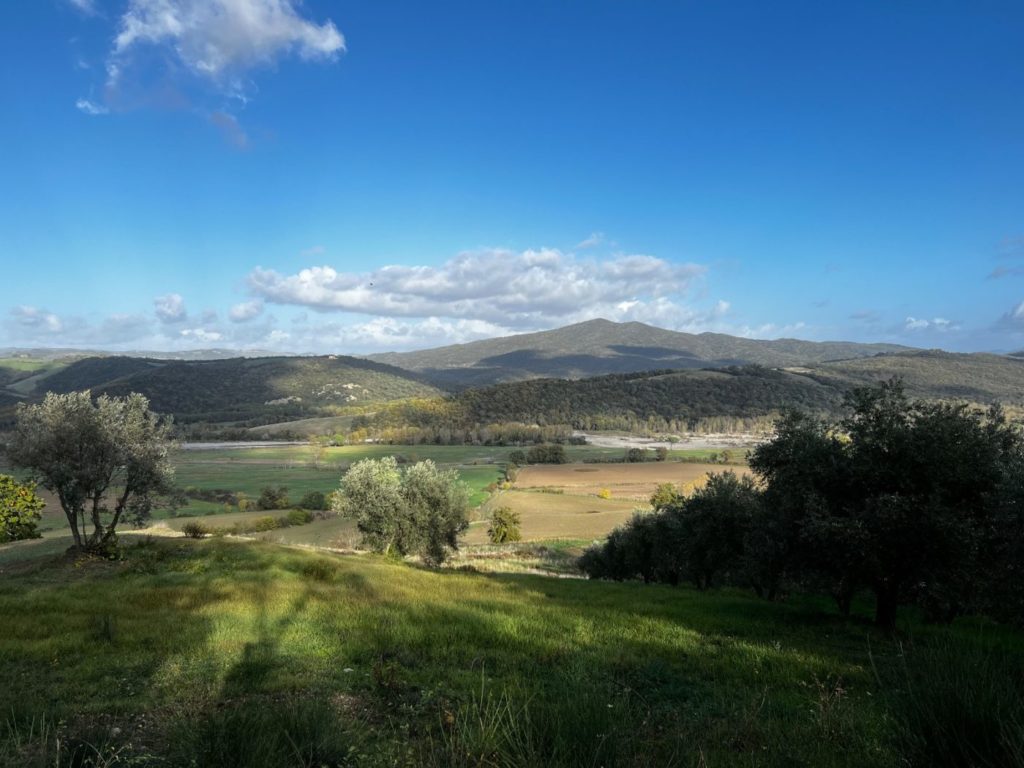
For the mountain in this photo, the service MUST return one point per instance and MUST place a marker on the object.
(599, 347)
(236, 389)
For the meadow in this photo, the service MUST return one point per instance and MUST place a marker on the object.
(555, 502)
(249, 654)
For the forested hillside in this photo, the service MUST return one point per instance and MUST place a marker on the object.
(237, 389)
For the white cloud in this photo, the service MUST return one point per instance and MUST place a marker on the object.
(939, 324)
(90, 107)
(170, 308)
(247, 310)
(221, 40)
(201, 334)
(528, 289)
(36, 319)
(771, 330)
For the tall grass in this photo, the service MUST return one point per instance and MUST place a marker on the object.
(954, 704)
(264, 734)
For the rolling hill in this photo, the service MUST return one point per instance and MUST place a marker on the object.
(234, 389)
(599, 347)
(591, 375)
(977, 377)
(738, 398)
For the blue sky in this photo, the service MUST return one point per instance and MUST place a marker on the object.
(368, 175)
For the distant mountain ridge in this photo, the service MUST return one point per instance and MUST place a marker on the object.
(599, 347)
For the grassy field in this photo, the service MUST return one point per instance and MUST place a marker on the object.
(623, 481)
(203, 653)
(575, 513)
(555, 515)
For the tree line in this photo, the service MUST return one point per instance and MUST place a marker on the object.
(915, 502)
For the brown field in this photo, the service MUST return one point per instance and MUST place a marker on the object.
(635, 482)
(555, 515)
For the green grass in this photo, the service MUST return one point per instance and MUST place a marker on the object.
(182, 646)
(23, 364)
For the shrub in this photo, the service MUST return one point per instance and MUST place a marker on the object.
(504, 526)
(299, 517)
(194, 530)
(266, 523)
(273, 498)
(20, 510)
(604, 493)
(547, 454)
(517, 457)
(665, 495)
(313, 500)
(636, 455)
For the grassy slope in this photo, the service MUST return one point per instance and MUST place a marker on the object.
(593, 673)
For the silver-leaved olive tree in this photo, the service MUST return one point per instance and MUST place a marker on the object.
(420, 511)
(106, 460)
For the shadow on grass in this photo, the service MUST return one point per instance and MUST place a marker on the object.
(250, 654)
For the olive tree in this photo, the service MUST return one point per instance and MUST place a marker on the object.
(105, 460)
(419, 512)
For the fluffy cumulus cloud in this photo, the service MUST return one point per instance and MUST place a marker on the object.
(200, 55)
(35, 320)
(202, 335)
(517, 290)
(222, 40)
(381, 334)
(28, 325)
(247, 310)
(33, 324)
(170, 308)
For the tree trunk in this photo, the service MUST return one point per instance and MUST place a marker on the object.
(118, 511)
(72, 516)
